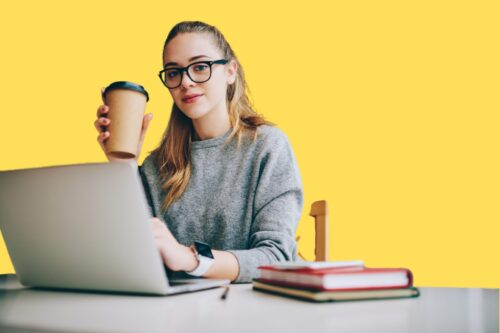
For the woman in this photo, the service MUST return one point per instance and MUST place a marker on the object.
(221, 175)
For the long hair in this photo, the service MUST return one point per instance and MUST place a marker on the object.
(174, 152)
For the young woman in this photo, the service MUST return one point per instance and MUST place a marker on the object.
(222, 177)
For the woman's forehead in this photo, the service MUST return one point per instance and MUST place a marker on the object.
(186, 46)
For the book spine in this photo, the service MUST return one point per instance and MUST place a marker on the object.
(320, 288)
(291, 277)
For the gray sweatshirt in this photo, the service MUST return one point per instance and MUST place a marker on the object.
(247, 201)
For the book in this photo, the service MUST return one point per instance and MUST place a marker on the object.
(317, 264)
(339, 278)
(334, 296)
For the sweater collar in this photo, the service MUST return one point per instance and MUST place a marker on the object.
(218, 140)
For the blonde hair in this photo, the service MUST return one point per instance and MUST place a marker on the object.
(174, 152)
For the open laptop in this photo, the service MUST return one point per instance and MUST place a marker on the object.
(87, 227)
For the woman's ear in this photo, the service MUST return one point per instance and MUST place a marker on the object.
(232, 71)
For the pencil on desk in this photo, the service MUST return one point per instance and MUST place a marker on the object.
(224, 294)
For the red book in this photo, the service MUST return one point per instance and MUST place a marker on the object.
(341, 278)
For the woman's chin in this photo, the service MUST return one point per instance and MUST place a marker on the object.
(194, 114)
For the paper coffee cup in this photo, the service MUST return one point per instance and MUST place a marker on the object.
(127, 104)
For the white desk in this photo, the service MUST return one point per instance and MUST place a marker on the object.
(441, 310)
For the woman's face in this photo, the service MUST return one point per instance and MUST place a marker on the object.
(196, 100)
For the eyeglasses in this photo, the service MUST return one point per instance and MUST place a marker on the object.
(198, 72)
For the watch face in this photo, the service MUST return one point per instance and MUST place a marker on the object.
(203, 249)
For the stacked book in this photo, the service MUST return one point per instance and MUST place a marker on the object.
(335, 281)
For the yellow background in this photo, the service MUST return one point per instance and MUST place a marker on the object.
(392, 108)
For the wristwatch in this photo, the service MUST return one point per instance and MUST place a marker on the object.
(204, 256)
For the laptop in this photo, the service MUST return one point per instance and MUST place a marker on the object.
(85, 227)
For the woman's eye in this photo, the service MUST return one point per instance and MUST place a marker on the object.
(172, 74)
(201, 68)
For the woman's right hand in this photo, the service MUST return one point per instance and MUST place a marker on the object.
(102, 122)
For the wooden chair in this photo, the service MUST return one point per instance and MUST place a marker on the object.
(319, 210)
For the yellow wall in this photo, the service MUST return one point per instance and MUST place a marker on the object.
(392, 108)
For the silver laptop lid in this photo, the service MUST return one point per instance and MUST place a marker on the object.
(80, 226)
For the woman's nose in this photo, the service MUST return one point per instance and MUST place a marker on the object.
(186, 80)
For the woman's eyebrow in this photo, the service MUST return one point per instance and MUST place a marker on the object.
(190, 59)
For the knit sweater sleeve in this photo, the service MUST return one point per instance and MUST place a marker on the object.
(147, 190)
(277, 207)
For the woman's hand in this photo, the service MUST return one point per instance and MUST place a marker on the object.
(102, 123)
(176, 256)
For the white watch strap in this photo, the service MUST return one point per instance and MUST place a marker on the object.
(204, 264)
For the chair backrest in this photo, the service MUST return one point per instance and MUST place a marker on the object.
(319, 210)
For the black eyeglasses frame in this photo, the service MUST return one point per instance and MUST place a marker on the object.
(186, 70)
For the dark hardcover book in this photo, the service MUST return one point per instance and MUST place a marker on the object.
(333, 296)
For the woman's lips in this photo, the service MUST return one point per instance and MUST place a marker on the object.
(191, 98)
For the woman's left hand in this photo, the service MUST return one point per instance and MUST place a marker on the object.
(176, 256)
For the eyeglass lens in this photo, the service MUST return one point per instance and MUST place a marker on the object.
(196, 72)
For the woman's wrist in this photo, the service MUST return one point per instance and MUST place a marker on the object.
(190, 262)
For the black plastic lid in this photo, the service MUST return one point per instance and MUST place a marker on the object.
(126, 85)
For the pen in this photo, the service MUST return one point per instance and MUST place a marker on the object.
(224, 294)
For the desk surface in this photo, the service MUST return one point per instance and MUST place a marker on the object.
(244, 310)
